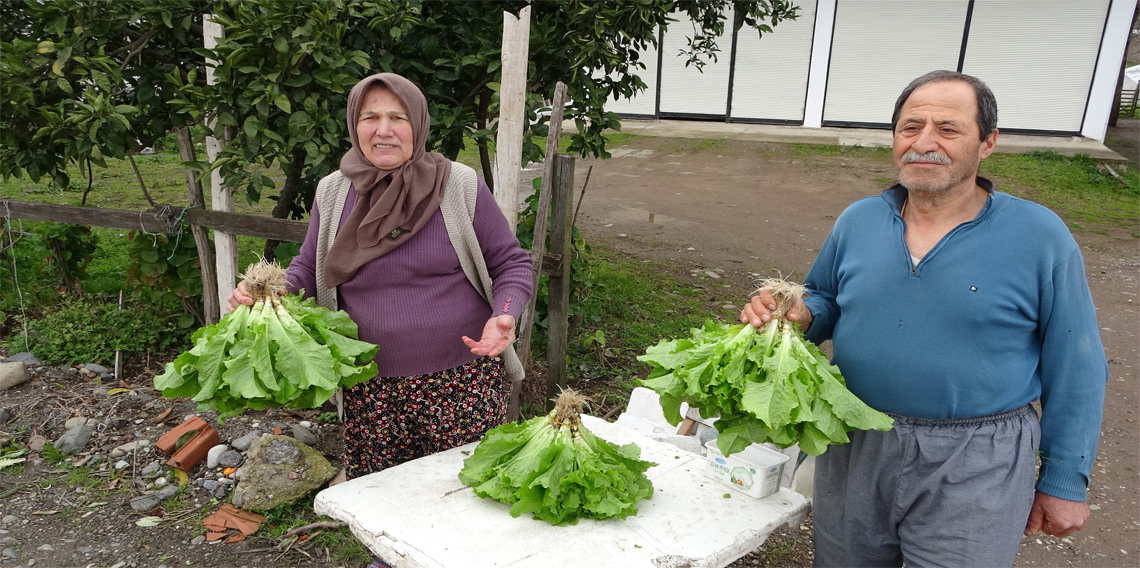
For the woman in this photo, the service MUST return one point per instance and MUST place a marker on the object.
(414, 248)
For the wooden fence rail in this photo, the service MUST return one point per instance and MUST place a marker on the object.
(163, 219)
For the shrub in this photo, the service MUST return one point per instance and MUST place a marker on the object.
(87, 330)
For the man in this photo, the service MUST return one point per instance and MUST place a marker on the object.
(951, 307)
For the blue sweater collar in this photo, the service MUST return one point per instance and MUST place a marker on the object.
(895, 196)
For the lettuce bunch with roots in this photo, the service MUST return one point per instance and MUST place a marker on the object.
(763, 385)
(554, 467)
(281, 352)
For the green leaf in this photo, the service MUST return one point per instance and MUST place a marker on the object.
(282, 103)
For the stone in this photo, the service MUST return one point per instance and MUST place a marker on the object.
(36, 443)
(9, 519)
(152, 468)
(243, 443)
(114, 422)
(75, 421)
(230, 458)
(209, 484)
(265, 480)
(95, 368)
(144, 503)
(198, 540)
(5, 415)
(25, 358)
(9, 553)
(122, 464)
(212, 455)
(74, 440)
(304, 435)
(306, 424)
(130, 448)
(160, 482)
(220, 492)
(46, 547)
(11, 374)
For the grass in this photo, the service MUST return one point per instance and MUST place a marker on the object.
(1074, 187)
(339, 542)
(804, 149)
(691, 145)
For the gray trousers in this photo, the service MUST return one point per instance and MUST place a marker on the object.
(928, 492)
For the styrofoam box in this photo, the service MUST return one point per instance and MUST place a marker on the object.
(755, 471)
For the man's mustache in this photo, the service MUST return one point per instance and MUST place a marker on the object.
(931, 157)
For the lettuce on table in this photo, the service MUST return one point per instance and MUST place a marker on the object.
(766, 385)
(555, 468)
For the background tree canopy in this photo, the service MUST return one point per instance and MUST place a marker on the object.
(84, 79)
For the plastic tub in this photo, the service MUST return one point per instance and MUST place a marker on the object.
(755, 472)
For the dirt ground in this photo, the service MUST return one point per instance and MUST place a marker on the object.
(743, 209)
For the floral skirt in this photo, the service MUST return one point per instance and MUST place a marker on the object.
(391, 420)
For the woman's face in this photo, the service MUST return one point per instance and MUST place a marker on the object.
(384, 129)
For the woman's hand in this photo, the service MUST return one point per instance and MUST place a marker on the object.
(758, 311)
(239, 296)
(498, 334)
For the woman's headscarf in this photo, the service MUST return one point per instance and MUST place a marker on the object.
(391, 205)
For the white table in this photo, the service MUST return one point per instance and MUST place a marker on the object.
(418, 515)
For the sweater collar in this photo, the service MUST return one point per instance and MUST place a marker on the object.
(895, 195)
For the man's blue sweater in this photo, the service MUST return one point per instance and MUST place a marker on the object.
(998, 314)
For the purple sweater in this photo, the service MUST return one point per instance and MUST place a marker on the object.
(415, 302)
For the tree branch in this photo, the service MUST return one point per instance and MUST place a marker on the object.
(142, 41)
(309, 527)
(130, 46)
(138, 175)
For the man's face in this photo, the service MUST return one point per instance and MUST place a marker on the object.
(937, 145)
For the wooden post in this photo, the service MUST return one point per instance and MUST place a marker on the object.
(210, 308)
(221, 198)
(558, 287)
(512, 113)
(538, 245)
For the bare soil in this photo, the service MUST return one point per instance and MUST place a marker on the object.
(745, 209)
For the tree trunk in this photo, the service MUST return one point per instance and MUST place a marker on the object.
(484, 156)
(211, 304)
(285, 200)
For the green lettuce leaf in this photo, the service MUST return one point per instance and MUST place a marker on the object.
(558, 474)
(768, 385)
(294, 355)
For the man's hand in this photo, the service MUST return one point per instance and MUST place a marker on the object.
(498, 334)
(759, 310)
(1056, 516)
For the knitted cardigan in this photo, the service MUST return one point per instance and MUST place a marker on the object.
(458, 209)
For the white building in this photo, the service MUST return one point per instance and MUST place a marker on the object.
(1052, 64)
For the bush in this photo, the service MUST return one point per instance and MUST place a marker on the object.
(89, 330)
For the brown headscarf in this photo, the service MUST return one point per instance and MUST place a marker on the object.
(391, 205)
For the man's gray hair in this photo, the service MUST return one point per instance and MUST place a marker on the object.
(987, 104)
